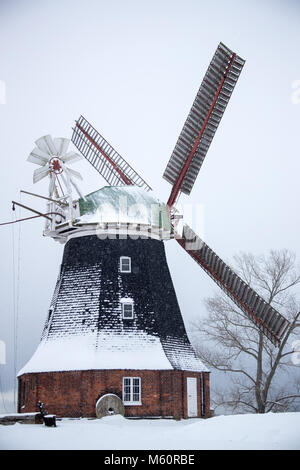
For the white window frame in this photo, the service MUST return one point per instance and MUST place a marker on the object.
(121, 264)
(131, 401)
(123, 310)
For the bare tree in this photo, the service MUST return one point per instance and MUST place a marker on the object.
(227, 341)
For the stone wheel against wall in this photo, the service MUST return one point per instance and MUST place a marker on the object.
(109, 404)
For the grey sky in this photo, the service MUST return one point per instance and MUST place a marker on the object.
(133, 68)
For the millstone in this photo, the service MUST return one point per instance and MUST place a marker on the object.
(109, 404)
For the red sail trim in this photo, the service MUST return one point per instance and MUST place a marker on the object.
(177, 185)
(116, 168)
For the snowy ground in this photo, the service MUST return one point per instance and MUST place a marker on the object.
(270, 431)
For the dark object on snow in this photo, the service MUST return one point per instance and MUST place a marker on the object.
(49, 420)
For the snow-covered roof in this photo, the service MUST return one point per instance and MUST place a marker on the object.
(134, 350)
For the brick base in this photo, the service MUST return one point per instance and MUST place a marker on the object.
(75, 393)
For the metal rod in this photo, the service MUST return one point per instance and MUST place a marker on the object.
(44, 197)
(32, 210)
(33, 217)
(59, 184)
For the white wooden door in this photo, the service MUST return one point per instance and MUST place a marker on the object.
(192, 402)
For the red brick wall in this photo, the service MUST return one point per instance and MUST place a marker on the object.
(75, 393)
(206, 394)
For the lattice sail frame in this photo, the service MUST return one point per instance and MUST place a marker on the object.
(262, 314)
(103, 157)
(203, 120)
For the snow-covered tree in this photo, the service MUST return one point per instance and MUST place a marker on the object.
(262, 377)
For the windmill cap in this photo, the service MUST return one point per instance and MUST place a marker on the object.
(124, 205)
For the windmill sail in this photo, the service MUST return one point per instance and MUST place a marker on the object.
(202, 121)
(103, 157)
(262, 314)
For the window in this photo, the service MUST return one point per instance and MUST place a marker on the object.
(127, 309)
(125, 264)
(132, 391)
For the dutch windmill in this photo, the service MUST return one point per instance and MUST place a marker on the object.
(121, 316)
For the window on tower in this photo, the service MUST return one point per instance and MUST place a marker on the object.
(127, 308)
(125, 264)
(132, 391)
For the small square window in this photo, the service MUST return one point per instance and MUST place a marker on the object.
(127, 310)
(125, 264)
(132, 391)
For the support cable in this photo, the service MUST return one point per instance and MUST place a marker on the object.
(14, 302)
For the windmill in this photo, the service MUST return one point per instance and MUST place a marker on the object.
(125, 303)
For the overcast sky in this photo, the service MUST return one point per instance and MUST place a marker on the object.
(133, 68)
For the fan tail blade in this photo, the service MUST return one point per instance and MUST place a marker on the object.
(72, 157)
(103, 157)
(74, 173)
(66, 180)
(51, 184)
(38, 157)
(202, 121)
(40, 173)
(80, 194)
(46, 144)
(61, 144)
(263, 315)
